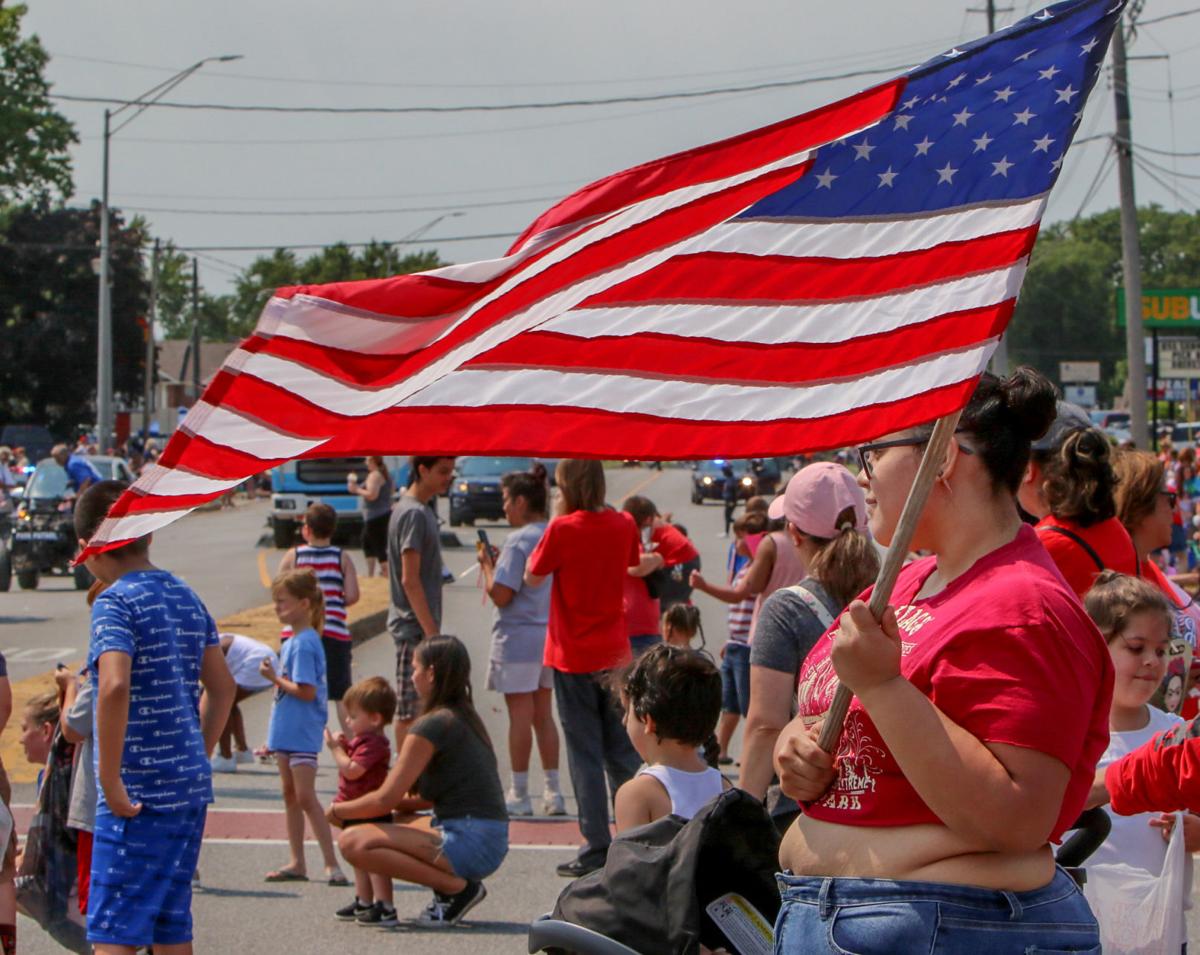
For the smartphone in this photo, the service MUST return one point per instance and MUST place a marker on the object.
(483, 539)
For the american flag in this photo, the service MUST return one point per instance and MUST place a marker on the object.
(819, 282)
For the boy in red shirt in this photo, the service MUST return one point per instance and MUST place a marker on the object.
(362, 767)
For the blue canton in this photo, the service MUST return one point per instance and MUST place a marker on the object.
(986, 122)
(158, 621)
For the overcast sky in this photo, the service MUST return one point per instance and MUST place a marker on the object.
(389, 177)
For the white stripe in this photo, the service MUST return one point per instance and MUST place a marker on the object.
(700, 401)
(136, 525)
(155, 479)
(826, 323)
(227, 428)
(836, 238)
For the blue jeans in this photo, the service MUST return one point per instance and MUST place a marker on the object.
(866, 916)
(735, 678)
(474, 847)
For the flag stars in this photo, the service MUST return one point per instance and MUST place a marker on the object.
(951, 54)
(983, 79)
(1022, 118)
(1088, 47)
(863, 150)
(982, 143)
(960, 119)
(1049, 72)
(910, 102)
(1005, 94)
(825, 180)
(954, 82)
(885, 178)
(1044, 16)
(946, 174)
(1025, 56)
(1002, 167)
(1042, 145)
(902, 121)
(923, 146)
(1067, 94)
(1057, 164)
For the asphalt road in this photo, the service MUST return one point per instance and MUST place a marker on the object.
(234, 909)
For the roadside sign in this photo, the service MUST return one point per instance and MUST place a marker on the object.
(1079, 372)
(1082, 395)
(1179, 358)
(1176, 308)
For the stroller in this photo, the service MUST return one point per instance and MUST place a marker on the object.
(672, 885)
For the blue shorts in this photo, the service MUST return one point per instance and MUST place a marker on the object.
(829, 915)
(735, 678)
(474, 847)
(142, 870)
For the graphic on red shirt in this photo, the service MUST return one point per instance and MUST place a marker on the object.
(373, 753)
(1005, 651)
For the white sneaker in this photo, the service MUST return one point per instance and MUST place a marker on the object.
(243, 756)
(553, 804)
(224, 764)
(518, 805)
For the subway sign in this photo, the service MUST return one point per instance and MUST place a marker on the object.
(1165, 307)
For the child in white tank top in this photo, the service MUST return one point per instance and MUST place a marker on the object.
(672, 700)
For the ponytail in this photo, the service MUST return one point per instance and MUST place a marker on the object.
(847, 564)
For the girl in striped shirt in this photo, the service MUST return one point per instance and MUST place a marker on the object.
(339, 584)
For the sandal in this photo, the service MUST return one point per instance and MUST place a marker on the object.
(286, 875)
(337, 877)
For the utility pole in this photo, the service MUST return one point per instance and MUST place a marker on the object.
(148, 396)
(1131, 253)
(195, 330)
(1000, 355)
(104, 367)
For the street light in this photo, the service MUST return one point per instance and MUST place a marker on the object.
(104, 376)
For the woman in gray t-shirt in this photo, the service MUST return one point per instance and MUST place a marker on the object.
(448, 756)
(519, 642)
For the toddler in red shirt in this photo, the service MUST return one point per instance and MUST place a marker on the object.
(362, 767)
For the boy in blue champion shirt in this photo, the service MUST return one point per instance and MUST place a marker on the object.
(152, 646)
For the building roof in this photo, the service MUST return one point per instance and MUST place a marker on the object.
(173, 352)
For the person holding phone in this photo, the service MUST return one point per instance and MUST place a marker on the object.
(518, 642)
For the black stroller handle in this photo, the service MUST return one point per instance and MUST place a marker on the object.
(1091, 829)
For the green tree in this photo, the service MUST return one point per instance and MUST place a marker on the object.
(337, 263)
(175, 316)
(34, 137)
(48, 314)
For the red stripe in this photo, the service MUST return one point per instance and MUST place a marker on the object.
(719, 160)
(672, 356)
(736, 277)
(409, 296)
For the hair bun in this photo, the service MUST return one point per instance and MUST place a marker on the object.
(1030, 400)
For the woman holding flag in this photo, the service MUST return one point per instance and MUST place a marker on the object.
(980, 710)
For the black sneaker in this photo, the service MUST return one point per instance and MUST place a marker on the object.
(378, 914)
(445, 910)
(353, 911)
(578, 867)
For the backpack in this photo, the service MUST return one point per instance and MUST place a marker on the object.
(660, 878)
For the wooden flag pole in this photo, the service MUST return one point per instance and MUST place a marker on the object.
(935, 454)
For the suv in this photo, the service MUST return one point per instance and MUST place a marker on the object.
(754, 476)
(475, 492)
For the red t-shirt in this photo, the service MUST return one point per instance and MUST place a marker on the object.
(1108, 539)
(372, 752)
(1007, 652)
(1162, 776)
(589, 553)
(674, 546)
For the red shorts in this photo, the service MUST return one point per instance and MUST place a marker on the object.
(83, 856)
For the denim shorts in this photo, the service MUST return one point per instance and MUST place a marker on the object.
(475, 847)
(735, 678)
(867, 916)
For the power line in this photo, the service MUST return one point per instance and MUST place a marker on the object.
(338, 212)
(428, 241)
(492, 107)
(1168, 16)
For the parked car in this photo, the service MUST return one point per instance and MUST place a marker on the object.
(475, 493)
(44, 539)
(754, 476)
(112, 468)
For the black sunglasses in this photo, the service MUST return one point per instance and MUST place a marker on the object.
(866, 449)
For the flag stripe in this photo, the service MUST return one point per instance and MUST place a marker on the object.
(717, 277)
(655, 354)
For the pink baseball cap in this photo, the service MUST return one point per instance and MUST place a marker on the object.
(816, 495)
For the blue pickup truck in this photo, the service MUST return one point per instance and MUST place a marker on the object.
(297, 484)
